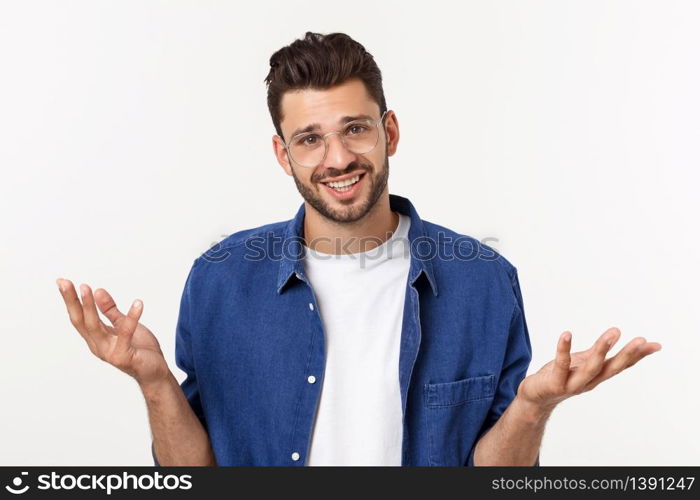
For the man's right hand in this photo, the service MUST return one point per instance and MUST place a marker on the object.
(127, 344)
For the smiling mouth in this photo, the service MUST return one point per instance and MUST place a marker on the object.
(344, 185)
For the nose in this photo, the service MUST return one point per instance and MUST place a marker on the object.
(337, 155)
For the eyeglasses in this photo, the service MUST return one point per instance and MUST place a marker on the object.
(309, 149)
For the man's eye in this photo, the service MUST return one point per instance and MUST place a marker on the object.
(309, 140)
(356, 128)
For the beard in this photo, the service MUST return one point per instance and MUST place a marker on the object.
(356, 210)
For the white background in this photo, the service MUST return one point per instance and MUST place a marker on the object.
(135, 134)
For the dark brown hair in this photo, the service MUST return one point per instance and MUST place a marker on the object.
(319, 62)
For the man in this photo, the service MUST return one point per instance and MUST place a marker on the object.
(314, 341)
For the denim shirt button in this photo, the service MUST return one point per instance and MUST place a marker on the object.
(311, 306)
(311, 379)
(295, 456)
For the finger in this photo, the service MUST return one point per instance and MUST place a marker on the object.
(562, 361)
(93, 324)
(596, 359)
(107, 306)
(629, 355)
(73, 305)
(649, 348)
(127, 327)
(75, 311)
(641, 351)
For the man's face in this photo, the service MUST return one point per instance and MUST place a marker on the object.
(327, 108)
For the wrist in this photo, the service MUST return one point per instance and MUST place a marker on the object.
(531, 412)
(157, 386)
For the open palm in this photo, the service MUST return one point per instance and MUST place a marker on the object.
(126, 344)
(574, 373)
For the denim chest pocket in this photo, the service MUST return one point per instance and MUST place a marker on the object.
(460, 391)
(455, 413)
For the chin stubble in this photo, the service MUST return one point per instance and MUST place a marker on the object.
(349, 214)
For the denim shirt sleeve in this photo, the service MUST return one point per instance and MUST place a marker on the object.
(183, 354)
(515, 364)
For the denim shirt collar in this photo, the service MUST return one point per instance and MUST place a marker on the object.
(291, 263)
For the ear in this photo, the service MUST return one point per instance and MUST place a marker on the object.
(281, 154)
(391, 125)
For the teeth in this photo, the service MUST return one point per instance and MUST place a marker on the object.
(341, 184)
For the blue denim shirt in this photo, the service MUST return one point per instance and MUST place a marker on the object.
(249, 335)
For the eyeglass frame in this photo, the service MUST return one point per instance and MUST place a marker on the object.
(342, 139)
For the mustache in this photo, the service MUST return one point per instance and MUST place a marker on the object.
(334, 172)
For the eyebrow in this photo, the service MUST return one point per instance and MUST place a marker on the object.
(345, 119)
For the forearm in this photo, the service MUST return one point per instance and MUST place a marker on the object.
(515, 438)
(178, 436)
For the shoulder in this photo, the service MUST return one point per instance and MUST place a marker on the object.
(462, 256)
(466, 246)
(244, 245)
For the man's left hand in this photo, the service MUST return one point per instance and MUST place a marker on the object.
(574, 373)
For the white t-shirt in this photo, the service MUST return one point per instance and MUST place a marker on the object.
(360, 299)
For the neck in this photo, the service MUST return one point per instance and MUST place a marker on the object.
(327, 236)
